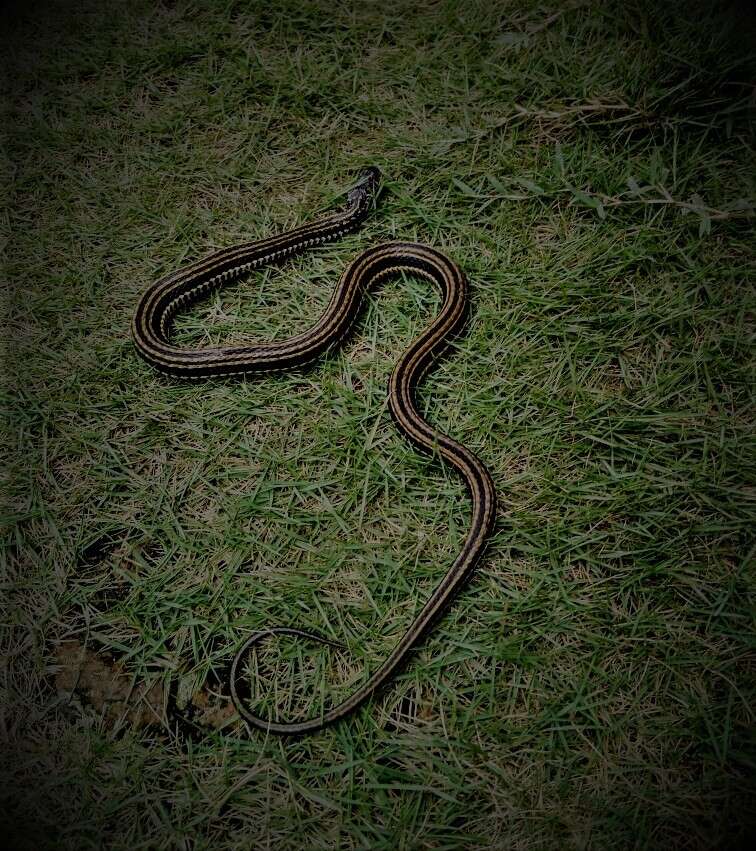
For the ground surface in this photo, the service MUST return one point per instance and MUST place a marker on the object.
(591, 167)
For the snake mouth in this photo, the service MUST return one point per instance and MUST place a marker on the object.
(370, 174)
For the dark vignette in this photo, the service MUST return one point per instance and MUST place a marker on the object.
(47, 45)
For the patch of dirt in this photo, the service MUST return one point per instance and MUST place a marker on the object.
(207, 711)
(102, 683)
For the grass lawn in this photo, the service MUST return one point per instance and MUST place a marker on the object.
(590, 165)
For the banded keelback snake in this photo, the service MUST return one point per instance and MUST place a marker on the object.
(151, 332)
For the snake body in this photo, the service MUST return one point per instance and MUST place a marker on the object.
(151, 331)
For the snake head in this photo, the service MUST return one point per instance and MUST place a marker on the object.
(366, 190)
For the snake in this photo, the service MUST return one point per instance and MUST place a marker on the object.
(151, 330)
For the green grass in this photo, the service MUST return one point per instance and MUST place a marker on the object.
(591, 168)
